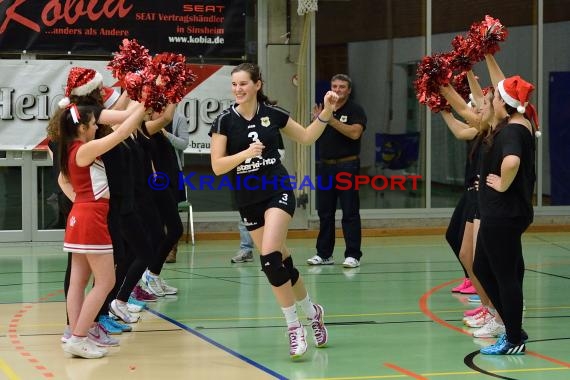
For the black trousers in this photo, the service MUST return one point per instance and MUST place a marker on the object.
(171, 228)
(499, 266)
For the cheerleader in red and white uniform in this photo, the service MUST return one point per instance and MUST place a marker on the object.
(86, 233)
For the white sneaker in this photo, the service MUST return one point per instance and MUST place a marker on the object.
(121, 310)
(66, 334)
(152, 284)
(491, 329)
(297, 342)
(351, 262)
(167, 289)
(84, 348)
(132, 308)
(318, 260)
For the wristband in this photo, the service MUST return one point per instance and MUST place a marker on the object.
(321, 120)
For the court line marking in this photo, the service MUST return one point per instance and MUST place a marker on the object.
(8, 371)
(405, 371)
(218, 345)
(423, 306)
(17, 343)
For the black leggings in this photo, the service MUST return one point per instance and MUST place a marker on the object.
(171, 227)
(456, 229)
(499, 266)
(139, 253)
(119, 254)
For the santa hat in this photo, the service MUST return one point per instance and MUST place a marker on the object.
(110, 97)
(515, 91)
(80, 81)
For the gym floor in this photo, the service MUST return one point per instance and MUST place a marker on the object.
(392, 318)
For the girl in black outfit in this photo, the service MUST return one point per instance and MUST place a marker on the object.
(245, 144)
(159, 157)
(505, 202)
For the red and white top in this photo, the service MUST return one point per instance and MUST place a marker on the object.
(89, 182)
(86, 230)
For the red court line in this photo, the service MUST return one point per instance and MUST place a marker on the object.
(405, 371)
(425, 309)
(17, 343)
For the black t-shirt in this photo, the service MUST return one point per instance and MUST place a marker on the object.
(120, 176)
(333, 144)
(516, 140)
(163, 156)
(264, 126)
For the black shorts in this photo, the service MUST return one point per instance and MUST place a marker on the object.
(471, 206)
(253, 216)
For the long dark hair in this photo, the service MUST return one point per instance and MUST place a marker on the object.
(94, 98)
(68, 131)
(255, 75)
(502, 124)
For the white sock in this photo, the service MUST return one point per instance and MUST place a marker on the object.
(290, 314)
(76, 339)
(308, 307)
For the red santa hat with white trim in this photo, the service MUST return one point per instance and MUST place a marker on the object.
(81, 81)
(515, 91)
(111, 96)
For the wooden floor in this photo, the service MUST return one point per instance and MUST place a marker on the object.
(392, 318)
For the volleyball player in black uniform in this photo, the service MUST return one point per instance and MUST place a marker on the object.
(245, 144)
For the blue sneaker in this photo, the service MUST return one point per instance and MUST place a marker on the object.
(134, 301)
(504, 347)
(112, 326)
(109, 326)
(474, 299)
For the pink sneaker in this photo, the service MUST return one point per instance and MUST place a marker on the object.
(465, 284)
(478, 320)
(321, 335)
(297, 342)
(473, 312)
(140, 294)
(469, 290)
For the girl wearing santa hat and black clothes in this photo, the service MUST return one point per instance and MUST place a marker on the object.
(505, 203)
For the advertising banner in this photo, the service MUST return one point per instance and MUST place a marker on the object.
(207, 29)
(30, 91)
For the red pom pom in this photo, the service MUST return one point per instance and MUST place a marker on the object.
(433, 71)
(130, 58)
(462, 54)
(461, 85)
(175, 76)
(486, 36)
(158, 81)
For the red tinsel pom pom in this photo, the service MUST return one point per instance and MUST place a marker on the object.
(130, 58)
(433, 71)
(461, 85)
(486, 36)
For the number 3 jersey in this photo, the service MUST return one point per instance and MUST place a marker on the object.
(257, 178)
